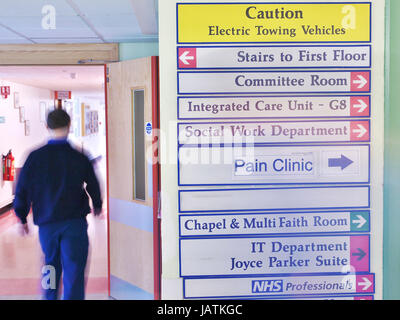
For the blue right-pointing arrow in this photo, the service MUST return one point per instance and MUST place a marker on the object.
(342, 162)
(360, 254)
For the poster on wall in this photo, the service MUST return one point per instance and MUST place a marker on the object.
(90, 120)
(69, 108)
(5, 91)
(277, 184)
(84, 125)
(27, 128)
(16, 100)
(43, 111)
(21, 114)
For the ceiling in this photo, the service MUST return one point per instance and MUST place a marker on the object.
(78, 21)
(85, 80)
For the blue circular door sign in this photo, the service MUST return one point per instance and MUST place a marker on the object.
(148, 128)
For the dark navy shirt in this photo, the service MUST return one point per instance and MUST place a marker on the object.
(52, 182)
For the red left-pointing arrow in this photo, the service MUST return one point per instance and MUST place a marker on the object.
(187, 58)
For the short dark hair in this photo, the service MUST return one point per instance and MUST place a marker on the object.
(58, 119)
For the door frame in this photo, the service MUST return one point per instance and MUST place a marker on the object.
(156, 176)
(58, 54)
(155, 173)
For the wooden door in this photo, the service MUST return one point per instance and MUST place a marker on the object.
(132, 109)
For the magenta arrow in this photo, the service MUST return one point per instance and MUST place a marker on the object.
(359, 253)
(365, 283)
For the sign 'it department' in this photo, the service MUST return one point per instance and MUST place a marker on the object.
(279, 22)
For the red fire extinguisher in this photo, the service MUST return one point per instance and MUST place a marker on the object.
(8, 167)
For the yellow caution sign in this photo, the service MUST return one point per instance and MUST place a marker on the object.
(283, 22)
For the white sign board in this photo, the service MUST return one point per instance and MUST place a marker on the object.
(320, 164)
(272, 223)
(251, 57)
(273, 132)
(274, 150)
(260, 107)
(292, 198)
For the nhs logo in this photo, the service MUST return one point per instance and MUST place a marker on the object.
(261, 286)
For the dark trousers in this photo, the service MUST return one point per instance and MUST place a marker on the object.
(65, 245)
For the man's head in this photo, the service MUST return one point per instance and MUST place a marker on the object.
(58, 123)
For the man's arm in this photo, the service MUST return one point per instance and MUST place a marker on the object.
(93, 188)
(22, 202)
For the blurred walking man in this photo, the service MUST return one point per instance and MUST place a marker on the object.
(52, 182)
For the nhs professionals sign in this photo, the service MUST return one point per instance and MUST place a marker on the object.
(337, 286)
(277, 180)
